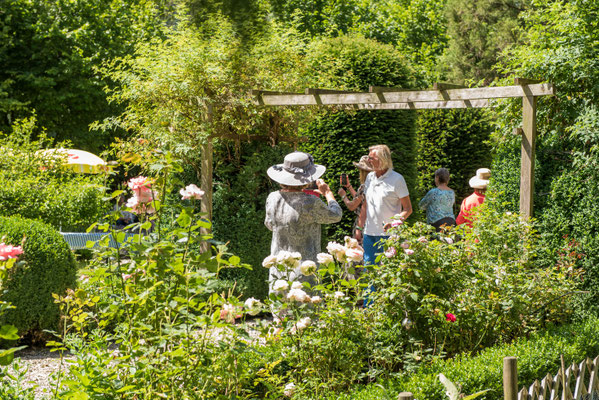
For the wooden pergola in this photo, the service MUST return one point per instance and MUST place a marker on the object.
(442, 96)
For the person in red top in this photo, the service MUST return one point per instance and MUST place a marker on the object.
(479, 183)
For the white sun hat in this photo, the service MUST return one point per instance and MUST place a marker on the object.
(298, 169)
(481, 180)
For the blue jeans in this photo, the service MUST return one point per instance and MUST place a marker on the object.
(372, 245)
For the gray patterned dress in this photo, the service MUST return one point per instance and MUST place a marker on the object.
(294, 219)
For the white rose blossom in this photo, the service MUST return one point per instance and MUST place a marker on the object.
(324, 258)
(339, 295)
(269, 261)
(337, 250)
(351, 243)
(253, 306)
(280, 285)
(316, 299)
(289, 389)
(308, 268)
(290, 260)
(303, 323)
(296, 285)
(297, 295)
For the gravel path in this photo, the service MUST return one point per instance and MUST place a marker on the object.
(41, 363)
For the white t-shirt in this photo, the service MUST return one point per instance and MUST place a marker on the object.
(383, 196)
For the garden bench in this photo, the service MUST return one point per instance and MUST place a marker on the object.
(78, 240)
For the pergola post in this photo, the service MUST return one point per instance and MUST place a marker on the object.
(206, 179)
(527, 166)
(206, 165)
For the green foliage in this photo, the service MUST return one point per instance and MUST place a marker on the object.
(197, 83)
(14, 384)
(175, 335)
(454, 139)
(339, 138)
(48, 52)
(478, 32)
(241, 188)
(49, 268)
(537, 356)
(35, 187)
(558, 46)
(437, 296)
(416, 27)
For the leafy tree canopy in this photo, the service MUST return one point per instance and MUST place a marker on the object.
(48, 52)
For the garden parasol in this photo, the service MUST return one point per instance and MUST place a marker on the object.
(78, 160)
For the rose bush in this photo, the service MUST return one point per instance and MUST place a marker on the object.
(438, 294)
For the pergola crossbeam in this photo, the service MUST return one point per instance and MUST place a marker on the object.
(424, 105)
(405, 96)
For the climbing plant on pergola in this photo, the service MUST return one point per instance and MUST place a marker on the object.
(442, 96)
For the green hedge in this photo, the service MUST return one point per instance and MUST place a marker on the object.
(70, 205)
(454, 139)
(49, 268)
(338, 138)
(537, 356)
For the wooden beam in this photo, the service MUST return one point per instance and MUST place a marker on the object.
(527, 169)
(541, 89)
(244, 137)
(423, 105)
(445, 86)
(206, 180)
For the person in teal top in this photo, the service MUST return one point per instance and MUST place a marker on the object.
(439, 202)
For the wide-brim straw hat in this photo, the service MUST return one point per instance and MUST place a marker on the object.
(364, 164)
(298, 169)
(481, 179)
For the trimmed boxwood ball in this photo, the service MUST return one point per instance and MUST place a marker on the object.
(49, 268)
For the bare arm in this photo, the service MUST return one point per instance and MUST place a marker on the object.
(353, 204)
(406, 207)
(362, 217)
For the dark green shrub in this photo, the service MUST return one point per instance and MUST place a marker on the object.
(558, 47)
(49, 268)
(454, 139)
(337, 138)
(537, 356)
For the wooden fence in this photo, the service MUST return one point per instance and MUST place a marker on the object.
(578, 382)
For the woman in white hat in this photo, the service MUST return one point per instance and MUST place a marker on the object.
(479, 183)
(293, 216)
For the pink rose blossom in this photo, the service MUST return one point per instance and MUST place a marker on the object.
(139, 206)
(191, 192)
(450, 317)
(409, 251)
(126, 277)
(422, 239)
(8, 251)
(355, 255)
(405, 245)
(390, 252)
(139, 182)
